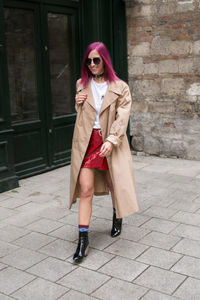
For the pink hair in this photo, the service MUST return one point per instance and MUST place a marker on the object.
(109, 72)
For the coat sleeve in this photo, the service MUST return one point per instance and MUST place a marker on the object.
(77, 90)
(119, 126)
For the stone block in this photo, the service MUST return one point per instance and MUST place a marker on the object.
(160, 280)
(119, 289)
(12, 279)
(153, 295)
(23, 258)
(74, 295)
(151, 68)
(188, 247)
(6, 248)
(194, 89)
(189, 266)
(190, 289)
(160, 45)
(142, 49)
(168, 66)
(196, 48)
(83, 280)
(187, 231)
(185, 65)
(146, 88)
(135, 66)
(160, 225)
(172, 86)
(34, 240)
(186, 218)
(40, 289)
(159, 258)
(95, 259)
(59, 249)
(160, 240)
(126, 248)
(51, 269)
(160, 212)
(123, 268)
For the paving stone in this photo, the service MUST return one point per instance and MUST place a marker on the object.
(136, 219)
(44, 225)
(34, 240)
(103, 212)
(40, 289)
(160, 225)
(95, 259)
(101, 225)
(5, 213)
(66, 232)
(14, 203)
(59, 249)
(133, 233)
(188, 247)
(6, 248)
(189, 290)
(51, 269)
(12, 279)
(83, 280)
(22, 258)
(160, 212)
(22, 219)
(185, 205)
(160, 240)
(160, 280)
(10, 233)
(187, 231)
(153, 295)
(126, 248)
(74, 295)
(118, 289)
(186, 218)
(159, 258)
(123, 268)
(4, 297)
(54, 213)
(189, 266)
(71, 218)
(32, 206)
(2, 266)
(100, 241)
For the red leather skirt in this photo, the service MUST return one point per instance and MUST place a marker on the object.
(92, 158)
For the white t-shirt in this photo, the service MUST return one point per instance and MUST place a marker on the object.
(98, 91)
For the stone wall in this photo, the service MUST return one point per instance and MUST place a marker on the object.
(164, 76)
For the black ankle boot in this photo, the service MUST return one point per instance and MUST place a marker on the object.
(82, 248)
(117, 226)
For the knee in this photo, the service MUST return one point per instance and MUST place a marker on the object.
(87, 191)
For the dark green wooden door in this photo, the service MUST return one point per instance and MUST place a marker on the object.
(42, 43)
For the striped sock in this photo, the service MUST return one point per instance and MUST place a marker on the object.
(83, 228)
(114, 210)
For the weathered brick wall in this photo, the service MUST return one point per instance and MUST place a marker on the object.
(164, 76)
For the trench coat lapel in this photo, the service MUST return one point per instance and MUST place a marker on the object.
(87, 90)
(111, 95)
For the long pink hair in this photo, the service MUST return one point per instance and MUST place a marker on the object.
(109, 72)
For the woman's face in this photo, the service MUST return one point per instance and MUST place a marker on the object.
(95, 69)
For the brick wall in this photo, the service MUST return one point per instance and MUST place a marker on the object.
(164, 76)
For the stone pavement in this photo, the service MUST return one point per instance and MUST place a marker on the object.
(157, 256)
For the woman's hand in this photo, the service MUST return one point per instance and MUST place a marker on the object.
(106, 149)
(80, 98)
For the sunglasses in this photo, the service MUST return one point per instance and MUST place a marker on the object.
(96, 61)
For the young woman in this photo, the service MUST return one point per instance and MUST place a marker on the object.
(101, 158)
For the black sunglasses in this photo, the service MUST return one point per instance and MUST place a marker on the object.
(96, 61)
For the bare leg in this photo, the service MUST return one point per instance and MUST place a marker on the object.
(86, 180)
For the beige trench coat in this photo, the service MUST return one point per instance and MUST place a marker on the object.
(114, 116)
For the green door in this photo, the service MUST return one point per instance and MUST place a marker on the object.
(42, 43)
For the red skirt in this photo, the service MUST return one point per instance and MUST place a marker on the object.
(92, 158)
